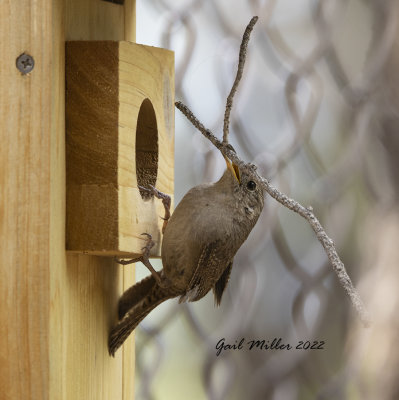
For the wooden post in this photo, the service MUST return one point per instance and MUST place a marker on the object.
(25, 136)
(55, 308)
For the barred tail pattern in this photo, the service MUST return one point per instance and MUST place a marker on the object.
(135, 304)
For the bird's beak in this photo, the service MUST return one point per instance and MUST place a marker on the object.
(233, 168)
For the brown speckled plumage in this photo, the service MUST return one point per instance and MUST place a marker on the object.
(201, 238)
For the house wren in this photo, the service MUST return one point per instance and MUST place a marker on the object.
(200, 240)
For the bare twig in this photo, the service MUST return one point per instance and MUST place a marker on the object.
(326, 242)
(305, 212)
(241, 61)
(225, 147)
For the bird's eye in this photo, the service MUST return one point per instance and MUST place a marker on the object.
(251, 185)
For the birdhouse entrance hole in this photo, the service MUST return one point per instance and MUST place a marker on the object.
(146, 147)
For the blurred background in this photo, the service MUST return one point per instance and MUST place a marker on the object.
(317, 111)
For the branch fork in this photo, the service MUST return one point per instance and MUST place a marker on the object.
(306, 212)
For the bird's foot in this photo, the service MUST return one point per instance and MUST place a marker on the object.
(166, 201)
(161, 280)
(145, 259)
(126, 262)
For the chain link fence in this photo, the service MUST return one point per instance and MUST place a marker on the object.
(317, 111)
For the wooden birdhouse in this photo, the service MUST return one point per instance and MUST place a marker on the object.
(119, 137)
(86, 118)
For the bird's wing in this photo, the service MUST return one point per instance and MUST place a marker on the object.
(221, 284)
(211, 264)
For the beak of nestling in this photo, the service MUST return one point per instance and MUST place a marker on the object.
(233, 168)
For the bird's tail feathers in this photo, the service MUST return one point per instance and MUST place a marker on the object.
(134, 295)
(144, 296)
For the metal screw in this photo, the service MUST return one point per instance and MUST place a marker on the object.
(25, 63)
(116, 1)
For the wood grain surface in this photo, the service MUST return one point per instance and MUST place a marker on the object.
(56, 309)
(119, 136)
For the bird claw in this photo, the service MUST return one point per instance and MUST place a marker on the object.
(150, 189)
(144, 188)
(126, 262)
(150, 244)
(165, 201)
